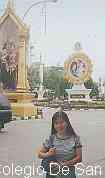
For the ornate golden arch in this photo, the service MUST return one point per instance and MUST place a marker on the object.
(78, 68)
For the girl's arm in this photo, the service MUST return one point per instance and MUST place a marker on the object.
(42, 152)
(77, 159)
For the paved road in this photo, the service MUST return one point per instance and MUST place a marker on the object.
(19, 143)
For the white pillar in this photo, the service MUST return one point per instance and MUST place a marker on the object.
(22, 68)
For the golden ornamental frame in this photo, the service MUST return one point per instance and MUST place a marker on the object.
(69, 77)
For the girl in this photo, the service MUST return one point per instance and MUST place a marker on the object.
(67, 146)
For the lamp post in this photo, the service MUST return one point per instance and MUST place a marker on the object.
(44, 2)
(37, 3)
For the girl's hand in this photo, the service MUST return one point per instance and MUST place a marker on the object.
(52, 152)
(66, 163)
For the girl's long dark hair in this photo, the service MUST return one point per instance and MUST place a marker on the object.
(69, 130)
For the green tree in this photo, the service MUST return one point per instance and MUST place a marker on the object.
(33, 76)
(90, 84)
(53, 79)
(94, 92)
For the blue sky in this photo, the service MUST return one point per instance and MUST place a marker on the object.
(68, 21)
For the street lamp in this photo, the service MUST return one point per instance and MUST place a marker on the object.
(37, 3)
(44, 2)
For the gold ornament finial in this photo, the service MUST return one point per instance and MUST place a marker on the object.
(77, 46)
(10, 4)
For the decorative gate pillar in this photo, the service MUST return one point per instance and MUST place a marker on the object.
(14, 36)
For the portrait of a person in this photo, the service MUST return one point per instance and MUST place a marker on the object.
(74, 69)
(81, 67)
(77, 68)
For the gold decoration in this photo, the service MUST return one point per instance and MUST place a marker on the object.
(21, 98)
(78, 68)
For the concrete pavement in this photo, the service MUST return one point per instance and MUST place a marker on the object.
(21, 139)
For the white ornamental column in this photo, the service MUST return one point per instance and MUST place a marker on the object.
(22, 78)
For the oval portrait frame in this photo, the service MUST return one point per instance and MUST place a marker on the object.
(77, 68)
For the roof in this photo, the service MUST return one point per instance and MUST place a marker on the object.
(10, 12)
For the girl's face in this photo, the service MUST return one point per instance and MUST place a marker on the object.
(74, 67)
(60, 126)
